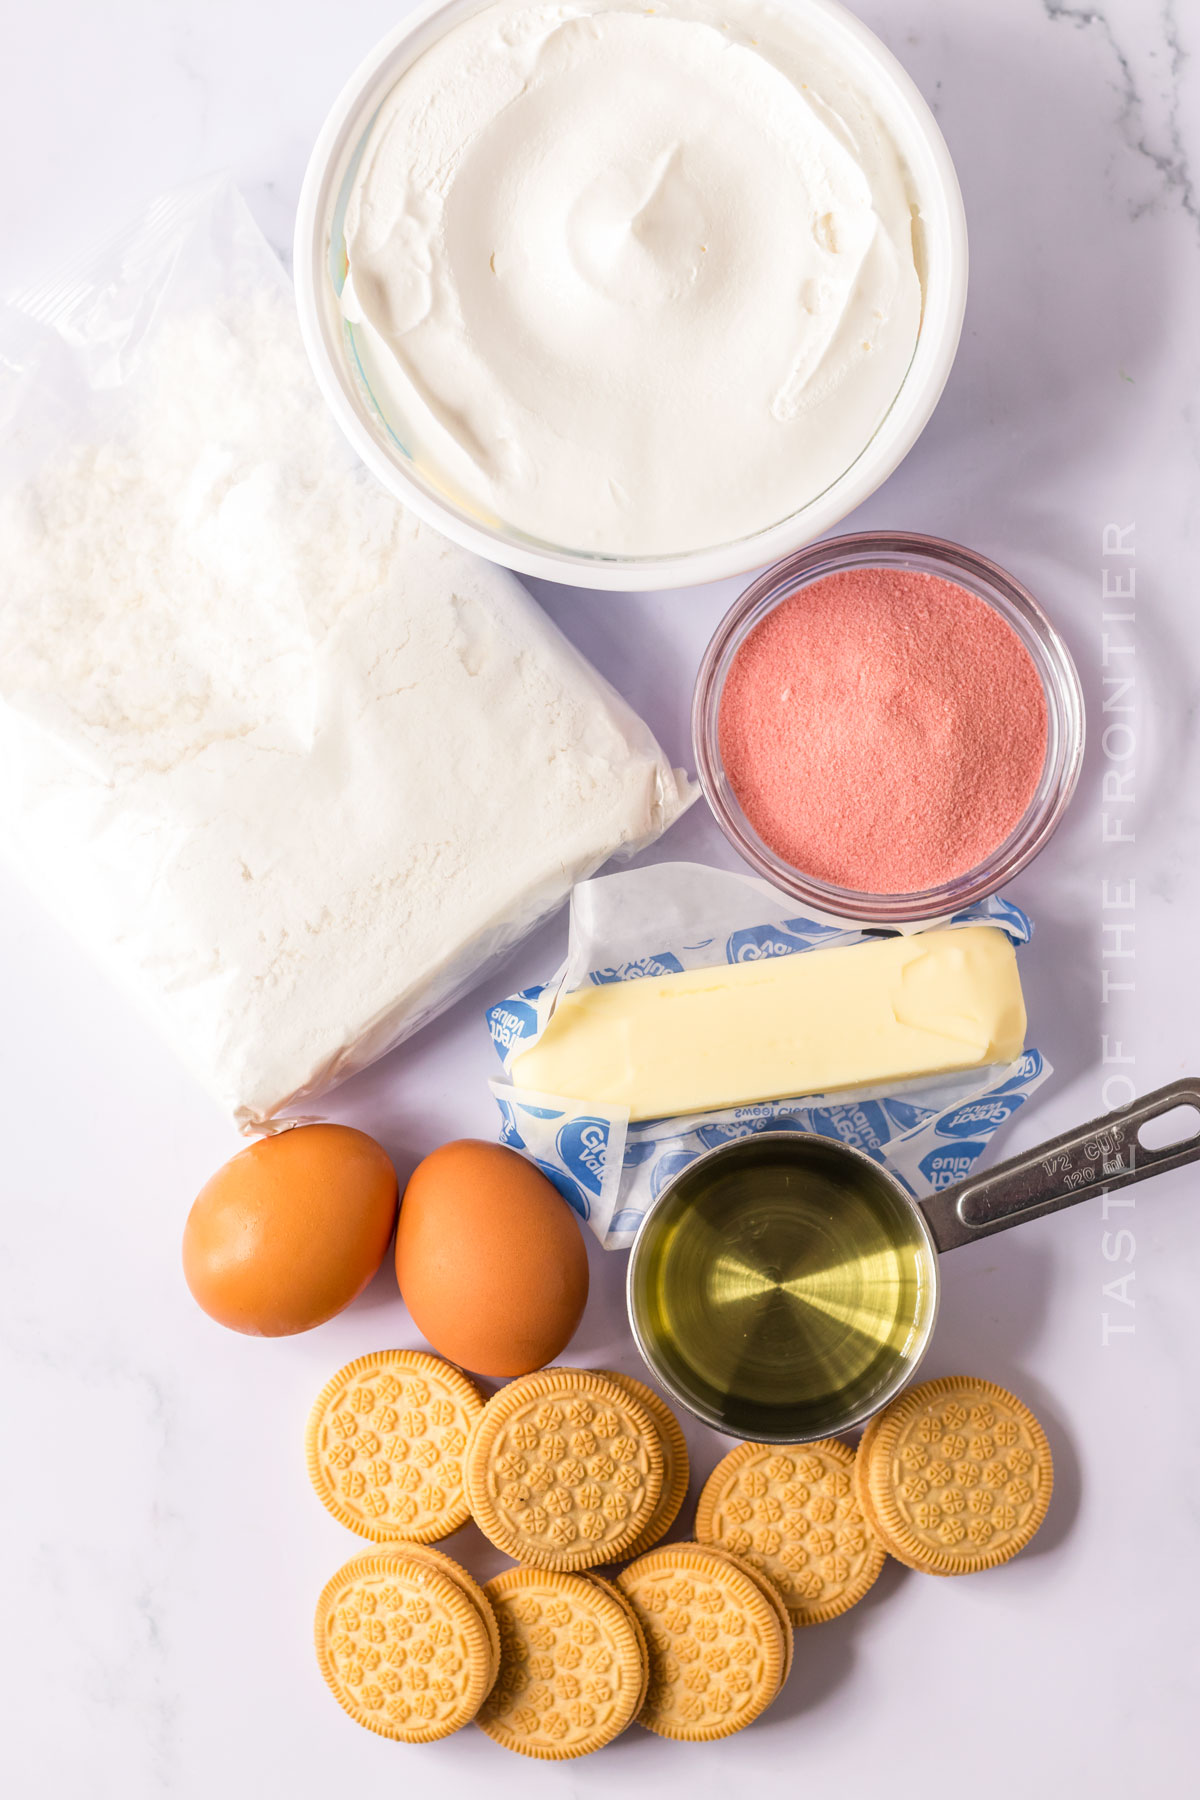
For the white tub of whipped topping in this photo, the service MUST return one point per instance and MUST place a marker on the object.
(629, 296)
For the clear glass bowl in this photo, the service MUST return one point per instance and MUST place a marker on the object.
(910, 551)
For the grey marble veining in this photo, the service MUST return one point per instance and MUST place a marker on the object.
(1150, 79)
(162, 1552)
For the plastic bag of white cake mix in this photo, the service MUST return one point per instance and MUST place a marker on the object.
(291, 765)
(673, 916)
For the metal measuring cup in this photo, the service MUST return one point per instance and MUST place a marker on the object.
(799, 1321)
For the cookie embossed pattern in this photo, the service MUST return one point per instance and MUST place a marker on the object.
(676, 1467)
(715, 1642)
(403, 1649)
(564, 1469)
(955, 1476)
(774, 1598)
(426, 1556)
(572, 1665)
(793, 1516)
(569, 1468)
(386, 1439)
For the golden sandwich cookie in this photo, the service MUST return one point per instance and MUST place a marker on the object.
(565, 1469)
(791, 1512)
(572, 1665)
(437, 1559)
(386, 1438)
(403, 1647)
(716, 1646)
(957, 1475)
(861, 1459)
(615, 1593)
(676, 1470)
(777, 1603)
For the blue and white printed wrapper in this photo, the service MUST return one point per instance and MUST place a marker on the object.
(672, 916)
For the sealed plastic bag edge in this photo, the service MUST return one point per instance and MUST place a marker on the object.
(119, 289)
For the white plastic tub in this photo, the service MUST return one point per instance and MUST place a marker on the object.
(320, 266)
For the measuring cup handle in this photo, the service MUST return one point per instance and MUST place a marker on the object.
(1093, 1159)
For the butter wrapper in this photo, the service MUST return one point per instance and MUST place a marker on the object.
(672, 916)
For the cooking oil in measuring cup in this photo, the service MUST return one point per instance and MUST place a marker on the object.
(782, 1287)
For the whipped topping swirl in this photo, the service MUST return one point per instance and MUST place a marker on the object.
(629, 280)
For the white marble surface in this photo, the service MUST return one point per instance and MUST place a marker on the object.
(161, 1549)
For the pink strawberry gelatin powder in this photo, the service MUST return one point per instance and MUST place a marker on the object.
(883, 730)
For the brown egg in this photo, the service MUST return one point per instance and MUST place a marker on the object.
(490, 1259)
(291, 1229)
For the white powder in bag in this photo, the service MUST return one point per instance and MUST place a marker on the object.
(290, 763)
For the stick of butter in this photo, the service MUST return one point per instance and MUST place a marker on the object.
(885, 1010)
